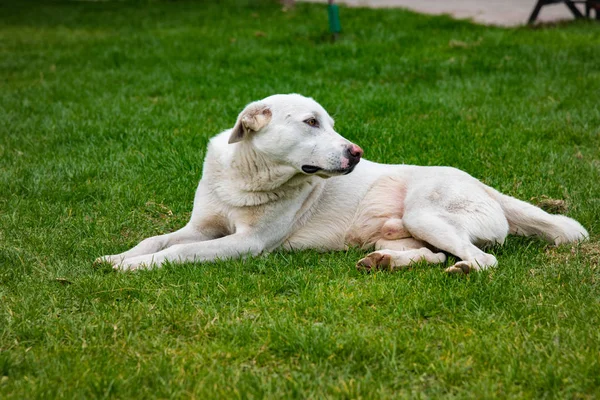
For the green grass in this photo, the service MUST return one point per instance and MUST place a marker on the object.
(105, 112)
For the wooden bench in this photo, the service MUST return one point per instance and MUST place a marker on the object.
(589, 5)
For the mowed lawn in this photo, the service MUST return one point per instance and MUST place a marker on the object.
(105, 112)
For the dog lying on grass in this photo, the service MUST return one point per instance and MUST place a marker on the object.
(284, 178)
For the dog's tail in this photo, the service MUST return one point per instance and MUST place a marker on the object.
(526, 220)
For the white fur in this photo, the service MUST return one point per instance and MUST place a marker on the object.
(278, 180)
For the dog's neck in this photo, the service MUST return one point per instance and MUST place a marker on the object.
(249, 178)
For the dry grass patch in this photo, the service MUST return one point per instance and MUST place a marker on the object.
(589, 252)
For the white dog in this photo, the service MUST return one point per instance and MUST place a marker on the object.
(284, 178)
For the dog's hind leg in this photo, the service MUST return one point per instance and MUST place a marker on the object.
(395, 254)
(450, 237)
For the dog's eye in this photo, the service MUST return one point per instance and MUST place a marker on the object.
(312, 122)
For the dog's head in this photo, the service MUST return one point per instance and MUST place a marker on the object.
(295, 130)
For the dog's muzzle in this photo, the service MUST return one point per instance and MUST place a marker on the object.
(352, 153)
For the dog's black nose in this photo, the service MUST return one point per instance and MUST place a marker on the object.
(354, 153)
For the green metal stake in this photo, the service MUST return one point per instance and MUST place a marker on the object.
(335, 26)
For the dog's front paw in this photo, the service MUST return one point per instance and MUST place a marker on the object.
(135, 264)
(119, 263)
(112, 260)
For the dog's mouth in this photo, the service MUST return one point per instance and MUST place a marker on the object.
(312, 169)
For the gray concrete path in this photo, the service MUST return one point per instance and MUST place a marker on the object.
(488, 12)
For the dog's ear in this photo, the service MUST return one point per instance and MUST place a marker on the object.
(254, 117)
